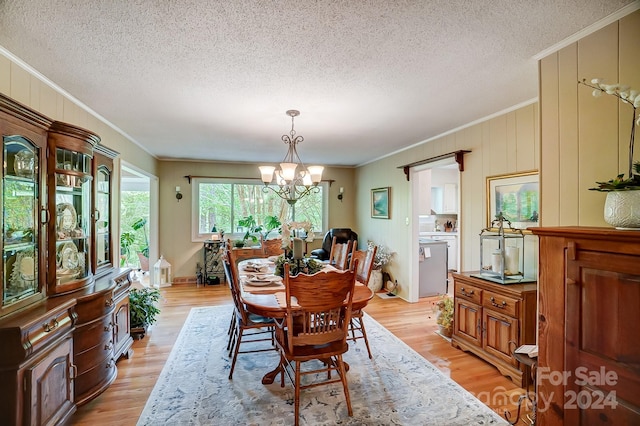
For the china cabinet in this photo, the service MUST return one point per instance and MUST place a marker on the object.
(24, 141)
(491, 319)
(588, 346)
(104, 258)
(64, 311)
(70, 207)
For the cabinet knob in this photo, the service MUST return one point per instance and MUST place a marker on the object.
(498, 305)
(73, 371)
(108, 327)
(109, 303)
(50, 326)
(464, 293)
(108, 347)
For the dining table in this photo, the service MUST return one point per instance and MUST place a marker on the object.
(263, 293)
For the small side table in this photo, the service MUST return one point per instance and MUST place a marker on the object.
(213, 270)
(531, 365)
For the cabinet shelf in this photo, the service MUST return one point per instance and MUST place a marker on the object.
(9, 247)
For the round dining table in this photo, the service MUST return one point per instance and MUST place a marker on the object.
(267, 305)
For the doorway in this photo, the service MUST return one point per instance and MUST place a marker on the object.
(138, 219)
(435, 210)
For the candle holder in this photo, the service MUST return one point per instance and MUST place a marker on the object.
(502, 257)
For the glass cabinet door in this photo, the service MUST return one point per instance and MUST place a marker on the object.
(20, 219)
(73, 217)
(103, 221)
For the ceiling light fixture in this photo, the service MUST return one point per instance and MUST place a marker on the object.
(294, 180)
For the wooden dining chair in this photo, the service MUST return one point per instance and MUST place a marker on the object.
(249, 327)
(315, 327)
(236, 255)
(362, 263)
(228, 277)
(339, 255)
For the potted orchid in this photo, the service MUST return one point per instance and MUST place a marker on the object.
(623, 195)
(382, 258)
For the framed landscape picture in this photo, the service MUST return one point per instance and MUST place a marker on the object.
(380, 203)
(516, 196)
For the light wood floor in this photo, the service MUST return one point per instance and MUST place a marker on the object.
(414, 323)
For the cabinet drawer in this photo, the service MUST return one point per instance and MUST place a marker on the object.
(506, 305)
(93, 381)
(122, 286)
(91, 357)
(50, 328)
(89, 335)
(94, 306)
(468, 292)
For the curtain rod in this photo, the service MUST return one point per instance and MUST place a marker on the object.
(459, 157)
(189, 177)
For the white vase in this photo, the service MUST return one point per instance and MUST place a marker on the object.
(375, 280)
(622, 209)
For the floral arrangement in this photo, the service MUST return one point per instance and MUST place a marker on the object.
(291, 227)
(444, 309)
(383, 255)
(306, 266)
(631, 97)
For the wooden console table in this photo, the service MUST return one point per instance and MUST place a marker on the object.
(488, 316)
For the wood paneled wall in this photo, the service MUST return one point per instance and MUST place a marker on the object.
(507, 143)
(585, 139)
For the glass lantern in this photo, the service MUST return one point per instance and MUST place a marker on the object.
(502, 257)
(162, 273)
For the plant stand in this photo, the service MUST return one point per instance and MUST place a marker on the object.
(138, 333)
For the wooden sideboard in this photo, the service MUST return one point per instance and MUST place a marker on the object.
(491, 319)
(589, 350)
(61, 353)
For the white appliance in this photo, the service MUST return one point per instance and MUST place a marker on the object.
(432, 260)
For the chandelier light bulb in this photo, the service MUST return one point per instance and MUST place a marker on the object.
(266, 173)
(316, 174)
(288, 171)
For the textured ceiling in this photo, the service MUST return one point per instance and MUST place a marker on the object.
(200, 79)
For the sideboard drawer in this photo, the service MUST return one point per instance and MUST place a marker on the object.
(468, 292)
(498, 302)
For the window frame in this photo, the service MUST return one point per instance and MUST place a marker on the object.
(198, 237)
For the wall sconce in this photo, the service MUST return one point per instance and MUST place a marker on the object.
(340, 194)
(178, 194)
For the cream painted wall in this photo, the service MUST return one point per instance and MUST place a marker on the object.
(25, 87)
(28, 89)
(508, 143)
(585, 139)
(175, 217)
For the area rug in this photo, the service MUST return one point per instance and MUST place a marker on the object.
(397, 387)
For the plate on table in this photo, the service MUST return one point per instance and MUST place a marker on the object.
(256, 268)
(67, 218)
(263, 281)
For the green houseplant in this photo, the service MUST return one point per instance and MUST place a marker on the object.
(623, 195)
(141, 223)
(126, 241)
(251, 226)
(143, 308)
(270, 223)
(444, 317)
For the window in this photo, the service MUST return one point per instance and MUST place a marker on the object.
(223, 202)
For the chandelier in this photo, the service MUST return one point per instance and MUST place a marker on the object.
(293, 179)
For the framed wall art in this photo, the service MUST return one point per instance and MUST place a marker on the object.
(516, 196)
(380, 206)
